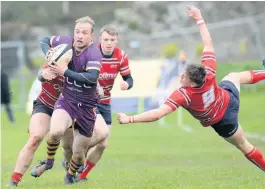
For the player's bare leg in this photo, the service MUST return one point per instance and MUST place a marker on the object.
(80, 145)
(100, 133)
(67, 144)
(238, 139)
(246, 77)
(250, 151)
(60, 121)
(95, 153)
(39, 127)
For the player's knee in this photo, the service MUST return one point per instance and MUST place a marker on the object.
(67, 149)
(233, 76)
(34, 142)
(55, 135)
(102, 145)
(79, 156)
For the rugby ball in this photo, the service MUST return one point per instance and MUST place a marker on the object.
(61, 54)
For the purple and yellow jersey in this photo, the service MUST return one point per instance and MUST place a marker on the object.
(89, 58)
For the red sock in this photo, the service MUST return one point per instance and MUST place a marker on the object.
(256, 76)
(256, 157)
(88, 167)
(16, 177)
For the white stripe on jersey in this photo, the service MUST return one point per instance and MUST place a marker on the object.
(173, 103)
(49, 94)
(122, 69)
(45, 102)
(108, 62)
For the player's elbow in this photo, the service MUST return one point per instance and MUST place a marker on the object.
(45, 40)
(91, 77)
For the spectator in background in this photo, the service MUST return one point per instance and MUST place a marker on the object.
(171, 71)
(6, 96)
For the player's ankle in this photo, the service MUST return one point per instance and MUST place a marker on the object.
(16, 177)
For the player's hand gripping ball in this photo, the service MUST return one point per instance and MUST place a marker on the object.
(59, 58)
(61, 54)
(194, 12)
(47, 74)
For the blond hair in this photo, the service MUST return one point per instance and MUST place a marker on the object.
(86, 19)
(110, 29)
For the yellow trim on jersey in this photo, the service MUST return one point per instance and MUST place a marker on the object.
(51, 40)
(92, 68)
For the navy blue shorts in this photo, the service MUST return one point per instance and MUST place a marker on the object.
(39, 107)
(105, 111)
(228, 125)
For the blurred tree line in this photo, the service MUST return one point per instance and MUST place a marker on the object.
(19, 16)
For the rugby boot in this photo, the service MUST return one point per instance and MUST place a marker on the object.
(12, 184)
(41, 168)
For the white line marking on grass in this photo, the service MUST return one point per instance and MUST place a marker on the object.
(255, 136)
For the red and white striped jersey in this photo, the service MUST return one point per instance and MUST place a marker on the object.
(118, 63)
(207, 103)
(51, 91)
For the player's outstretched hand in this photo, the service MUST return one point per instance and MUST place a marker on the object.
(194, 12)
(124, 85)
(47, 74)
(123, 118)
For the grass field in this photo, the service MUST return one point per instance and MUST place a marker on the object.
(146, 156)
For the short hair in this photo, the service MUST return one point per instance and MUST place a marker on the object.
(86, 19)
(110, 29)
(196, 73)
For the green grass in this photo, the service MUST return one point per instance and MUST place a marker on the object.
(149, 156)
(146, 156)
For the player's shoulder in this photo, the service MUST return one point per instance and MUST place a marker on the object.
(119, 53)
(93, 52)
(64, 38)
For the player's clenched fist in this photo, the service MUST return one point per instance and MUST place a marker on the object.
(123, 118)
(124, 85)
(47, 74)
(100, 91)
(194, 12)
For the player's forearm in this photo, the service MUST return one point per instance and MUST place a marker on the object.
(205, 34)
(128, 78)
(149, 116)
(45, 44)
(90, 77)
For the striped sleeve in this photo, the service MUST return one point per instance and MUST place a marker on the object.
(124, 68)
(94, 61)
(209, 62)
(178, 98)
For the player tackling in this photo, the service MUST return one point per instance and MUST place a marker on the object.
(39, 122)
(213, 105)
